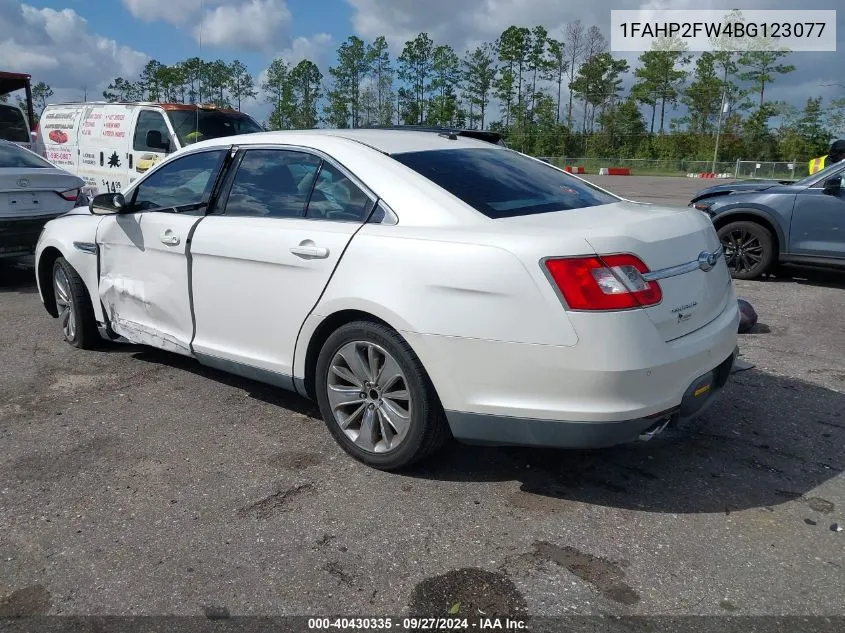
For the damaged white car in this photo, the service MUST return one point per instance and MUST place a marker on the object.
(419, 286)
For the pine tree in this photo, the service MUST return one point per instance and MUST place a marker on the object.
(416, 65)
(479, 73)
(279, 91)
(241, 83)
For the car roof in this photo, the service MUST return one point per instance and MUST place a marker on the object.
(382, 140)
(482, 135)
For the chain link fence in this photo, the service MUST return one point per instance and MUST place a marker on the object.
(644, 166)
(770, 170)
(774, 170)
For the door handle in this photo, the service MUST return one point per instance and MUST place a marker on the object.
(308, 250)
(170, 238)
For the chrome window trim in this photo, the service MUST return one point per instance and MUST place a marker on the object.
(130, 189)
(368, 192)
(319, 154)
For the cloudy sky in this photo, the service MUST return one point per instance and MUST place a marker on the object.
(80, 45)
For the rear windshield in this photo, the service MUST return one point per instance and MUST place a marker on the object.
(501, 183)
(13, 125)
(192, 126)
(15, 156)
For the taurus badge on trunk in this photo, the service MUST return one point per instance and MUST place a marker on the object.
(684, 312)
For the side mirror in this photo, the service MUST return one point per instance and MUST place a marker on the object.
(107, 204)
(833, 186)
(156, 141)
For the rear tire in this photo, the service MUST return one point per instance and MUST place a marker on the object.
(377, 399)
(73, 305)
(749, 248)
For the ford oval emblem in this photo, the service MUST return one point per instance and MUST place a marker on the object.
(707, 261)
(23, 183)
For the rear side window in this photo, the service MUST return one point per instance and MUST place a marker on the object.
(14, 156)
(500, 183)
(336, 197)
(13, 125)
(272, 183)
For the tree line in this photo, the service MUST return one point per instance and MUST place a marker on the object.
(548, 94)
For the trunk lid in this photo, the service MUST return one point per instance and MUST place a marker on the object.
(663, 238)
(32, 192)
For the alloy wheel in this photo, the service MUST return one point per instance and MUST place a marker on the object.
(369, 396)
(743, 250)
(64, 303)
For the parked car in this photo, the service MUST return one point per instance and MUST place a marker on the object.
(109, 145)
(415, 285)
(32, 192)
(764, 223)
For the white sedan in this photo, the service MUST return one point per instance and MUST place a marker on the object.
(419, 286)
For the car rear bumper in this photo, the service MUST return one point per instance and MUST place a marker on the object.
(486, 429)
(618, 381)
(19, 236)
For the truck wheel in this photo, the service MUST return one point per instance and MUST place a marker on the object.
(73, 305)
(377, 399)
(749, 248)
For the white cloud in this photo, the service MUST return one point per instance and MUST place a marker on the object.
(58, 48)
(256, 25)
(237, 24)
(177, 12)
(316, 48)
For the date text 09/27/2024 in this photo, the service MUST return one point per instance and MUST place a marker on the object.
(416, 624)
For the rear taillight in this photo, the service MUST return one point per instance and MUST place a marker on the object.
(608, 282)
(71, 195)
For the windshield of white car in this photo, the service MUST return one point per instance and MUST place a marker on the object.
(501, 183)
(192, 126)
(13, 125)
(14, 156)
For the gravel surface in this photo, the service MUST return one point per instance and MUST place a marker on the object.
(134, 481)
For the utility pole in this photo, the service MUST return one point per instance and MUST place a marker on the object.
(722, 110)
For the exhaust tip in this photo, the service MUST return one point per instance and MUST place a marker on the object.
(657, 428)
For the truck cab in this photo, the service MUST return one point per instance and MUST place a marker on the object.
(110, 145)
(15, 124)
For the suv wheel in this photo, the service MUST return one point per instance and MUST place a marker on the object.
(749, 248)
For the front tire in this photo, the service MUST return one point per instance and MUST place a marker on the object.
(377, 399)
(73, 305)
(749, 248)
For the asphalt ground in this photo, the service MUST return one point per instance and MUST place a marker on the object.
(136, 482)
